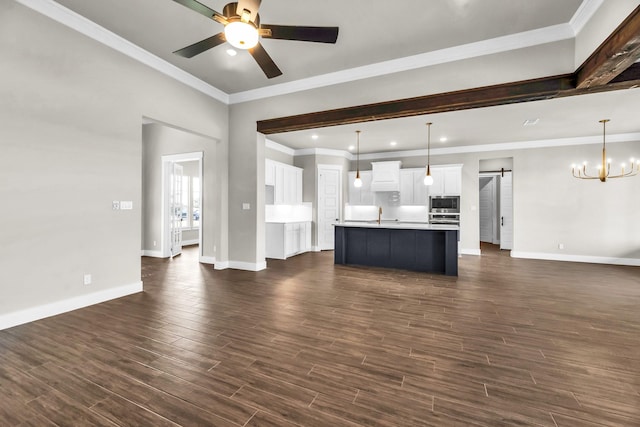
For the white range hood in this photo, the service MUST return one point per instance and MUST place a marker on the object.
(385, 176)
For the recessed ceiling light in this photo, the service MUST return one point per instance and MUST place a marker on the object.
(443, 139)
(231, 52)
(352, 147)
(393, 143)
(530, 122)
(314, 136)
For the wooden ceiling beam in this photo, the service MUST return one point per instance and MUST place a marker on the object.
(617, 53)
(487, 96)
(610, 67)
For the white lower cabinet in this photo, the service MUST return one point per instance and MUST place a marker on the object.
(287, 239)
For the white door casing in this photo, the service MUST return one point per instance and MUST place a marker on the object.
(506, 211)
(175, 209)
(329, 202)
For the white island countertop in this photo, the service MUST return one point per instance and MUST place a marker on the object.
(398, 224)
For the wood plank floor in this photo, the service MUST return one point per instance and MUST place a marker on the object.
(508, 342)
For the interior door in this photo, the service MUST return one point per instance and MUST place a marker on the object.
(487, 204)
(175, 209)
(329, 196)
(506, 211)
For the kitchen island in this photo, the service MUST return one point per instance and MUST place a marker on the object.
(424, 247)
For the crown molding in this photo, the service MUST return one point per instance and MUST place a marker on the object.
(505, 146)
(324, 152)
(75, 21)
(464, 149)
(279, 147)
(584, 13)
(525, 39)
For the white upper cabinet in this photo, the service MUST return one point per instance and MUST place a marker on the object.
(362, 195)
(269, 172)
(412, 188)
(386, 176)
(447, 181)
(452, 181)
(286, 180)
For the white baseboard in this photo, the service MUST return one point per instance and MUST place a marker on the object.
(207, 259)
(240, 265)
(315, 249)
(191, 242)
(153, 254)
(576, 258)
(470, 252)
(47, 310)
(221, 265)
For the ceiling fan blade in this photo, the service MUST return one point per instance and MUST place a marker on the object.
(201, 46)
(196, 6)
(265, 62)
(250, 5)
(306, 34)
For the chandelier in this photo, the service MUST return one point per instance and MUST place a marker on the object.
(604, 170)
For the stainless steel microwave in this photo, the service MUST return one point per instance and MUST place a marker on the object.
(444, 204)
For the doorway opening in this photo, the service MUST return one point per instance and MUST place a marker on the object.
(496, 203)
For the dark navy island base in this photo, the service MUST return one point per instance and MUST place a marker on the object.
(418, 248)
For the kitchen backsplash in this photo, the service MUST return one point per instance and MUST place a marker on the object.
(288, 213)
(389, 212)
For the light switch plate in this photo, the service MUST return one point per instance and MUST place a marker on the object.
(126, 205)
(246, 206)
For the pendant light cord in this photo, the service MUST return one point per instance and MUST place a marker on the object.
(429, 143)
(358, 153)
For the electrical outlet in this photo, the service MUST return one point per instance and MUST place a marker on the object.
(87, 279)
(154, 243)
(560, 245)
(115, 205)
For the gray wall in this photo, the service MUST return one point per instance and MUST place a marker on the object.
(278, 156)
(70, 138)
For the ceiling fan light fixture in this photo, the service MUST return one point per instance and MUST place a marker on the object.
(241, 35)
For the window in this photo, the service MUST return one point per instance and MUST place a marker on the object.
(190, 206)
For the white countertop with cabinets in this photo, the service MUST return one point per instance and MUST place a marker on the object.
(398, 224)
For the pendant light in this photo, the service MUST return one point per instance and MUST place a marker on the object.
(604, 170)
(428, 179)
(357, 182)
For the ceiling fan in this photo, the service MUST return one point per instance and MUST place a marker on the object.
(242, 29)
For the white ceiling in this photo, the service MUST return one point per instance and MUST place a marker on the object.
(372, 32)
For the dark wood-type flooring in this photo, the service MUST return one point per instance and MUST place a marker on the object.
(507, 343)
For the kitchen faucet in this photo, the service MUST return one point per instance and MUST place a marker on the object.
(379, 214)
